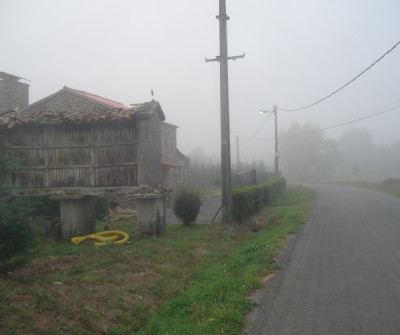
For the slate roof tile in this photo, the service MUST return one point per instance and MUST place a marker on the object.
(109, 110)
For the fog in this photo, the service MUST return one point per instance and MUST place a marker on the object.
(297, 52)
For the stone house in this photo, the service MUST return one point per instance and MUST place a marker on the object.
(175, 164)
(14, 94)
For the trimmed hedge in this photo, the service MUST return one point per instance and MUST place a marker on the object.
(248, 200)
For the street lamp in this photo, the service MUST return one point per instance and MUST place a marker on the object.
(261, 111)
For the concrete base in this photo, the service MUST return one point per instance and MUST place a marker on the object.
(77, 217)
(151, 215)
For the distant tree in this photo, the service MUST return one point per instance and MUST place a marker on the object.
(203, 172)
(363, 159)
(306, 155)
(329, 160)
(358, 152)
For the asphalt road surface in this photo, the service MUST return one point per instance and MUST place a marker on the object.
(341, 274)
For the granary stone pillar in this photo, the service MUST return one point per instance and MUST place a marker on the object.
(77, 217)
(151, 216)
(148, 128)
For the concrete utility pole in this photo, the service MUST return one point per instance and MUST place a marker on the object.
(276, 142)
(237, 154)
(225, 125)
(274, 111)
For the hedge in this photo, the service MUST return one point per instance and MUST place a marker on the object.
(248, 200)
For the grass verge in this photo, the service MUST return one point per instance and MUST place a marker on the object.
(192, 280)
(389, 185)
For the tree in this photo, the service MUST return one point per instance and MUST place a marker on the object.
(363, 159)
(305, 155)
(358, 153)
(16, 237)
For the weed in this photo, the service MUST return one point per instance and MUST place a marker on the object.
(193, 280)
(77, 270)
(216, 302)
(121, 331)
(22, 311)
(43, 299)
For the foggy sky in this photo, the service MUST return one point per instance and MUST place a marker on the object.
(296, 53)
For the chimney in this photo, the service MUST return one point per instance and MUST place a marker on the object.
(13, 93)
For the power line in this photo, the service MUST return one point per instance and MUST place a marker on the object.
(258, 129)
(331, 127)
(342, 87)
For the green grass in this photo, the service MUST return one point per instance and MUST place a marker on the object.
(192, 280)
(390, 185)
(216, 302)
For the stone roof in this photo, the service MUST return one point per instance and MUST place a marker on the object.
(97, 98)
(170, 124)
(110, 111)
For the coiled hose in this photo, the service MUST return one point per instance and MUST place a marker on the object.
(104, 237)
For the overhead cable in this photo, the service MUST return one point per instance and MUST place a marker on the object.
(258, 129)
(342, 87)
(331, 127)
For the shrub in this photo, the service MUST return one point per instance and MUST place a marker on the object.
(248, 200)
(16, 237)
(43, 206)
(187, 203)
(272, 188)
(101, 205)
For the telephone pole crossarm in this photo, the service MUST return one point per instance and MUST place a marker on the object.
(218, 58)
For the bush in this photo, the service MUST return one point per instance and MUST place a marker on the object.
(272, 188)
(187, 203)
(101, 205)
(248, 200)
(16, 236)
(43, 206)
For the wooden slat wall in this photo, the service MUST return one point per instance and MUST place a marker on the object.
(67, 155)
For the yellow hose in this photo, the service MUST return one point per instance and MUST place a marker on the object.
(105, 237)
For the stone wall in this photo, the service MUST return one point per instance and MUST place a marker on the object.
(168, 142)
(176, 173)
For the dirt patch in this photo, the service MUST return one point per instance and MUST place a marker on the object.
(268, 277)
(201, 251)
(256, 222)
(40, 268)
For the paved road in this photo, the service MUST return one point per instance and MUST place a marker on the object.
(341, 274)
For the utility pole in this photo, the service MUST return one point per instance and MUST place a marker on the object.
(276, 141)
(237, 154)
(275, 112)
(224, 105)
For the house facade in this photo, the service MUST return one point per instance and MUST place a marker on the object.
(14, 94)
(175, 165)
